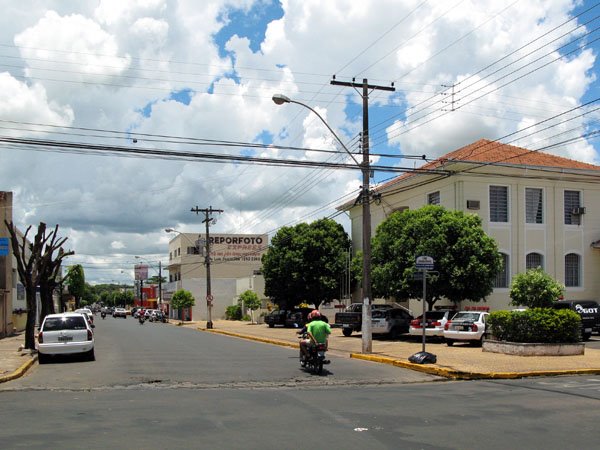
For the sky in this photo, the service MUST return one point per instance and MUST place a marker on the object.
(117, 118)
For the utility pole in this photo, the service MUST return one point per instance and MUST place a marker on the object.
(207, 220)
(367, 341)
(160, 284)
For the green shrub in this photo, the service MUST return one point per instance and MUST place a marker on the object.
(537, 325)
(246, 318)
(535, 289)
(233, 312)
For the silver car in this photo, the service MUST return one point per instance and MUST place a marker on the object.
(65, 334)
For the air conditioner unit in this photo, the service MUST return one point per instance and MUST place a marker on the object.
(472, 204)
(578, 211)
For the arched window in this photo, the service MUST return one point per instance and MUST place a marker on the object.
(502, 276)
(533, 261)
(572, 270)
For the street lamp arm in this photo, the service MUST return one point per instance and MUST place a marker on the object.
(280, 99)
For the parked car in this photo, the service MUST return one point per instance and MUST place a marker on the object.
(120, 312)
(466, 326)
(391, 322)
(298, 317)
(66, 333)
(588, 310)
(434, 323)
(88, 312)
(276, 317)
(351, 318)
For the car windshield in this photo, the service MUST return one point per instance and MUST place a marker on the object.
(466, 316)
(64, 323)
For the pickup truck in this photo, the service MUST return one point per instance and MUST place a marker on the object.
(351, 318)
(588, 310)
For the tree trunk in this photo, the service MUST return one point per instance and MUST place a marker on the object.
(31, 317)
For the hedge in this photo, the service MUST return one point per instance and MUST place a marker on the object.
(536, 325)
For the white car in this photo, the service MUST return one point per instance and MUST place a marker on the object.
(435, 321)
(466, 326)
(120, 312)
(88, 312)
(65, 334)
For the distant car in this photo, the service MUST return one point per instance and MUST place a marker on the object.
(297, 318)
(120, 312)
(434, 323)
(88, 312)
(65, 334)
(390, 322)
(466, 326)
(276, 317)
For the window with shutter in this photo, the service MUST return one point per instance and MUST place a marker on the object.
(534, 212)
(498, 204)
(572, 201)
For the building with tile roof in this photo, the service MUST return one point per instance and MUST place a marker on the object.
(542, 210)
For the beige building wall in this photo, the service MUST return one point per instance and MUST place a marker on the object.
(235, 263)
(516, 238)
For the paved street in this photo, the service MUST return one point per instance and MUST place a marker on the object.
(161, 386)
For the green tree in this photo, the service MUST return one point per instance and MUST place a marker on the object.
(304, 263)
(466, 259)
(76, 282)
(535, 289)
(182, 299)
(251, 301)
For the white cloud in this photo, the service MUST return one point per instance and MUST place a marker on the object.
(114, 65)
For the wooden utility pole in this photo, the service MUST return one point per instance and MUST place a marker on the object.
(367, 342)
(209, 298)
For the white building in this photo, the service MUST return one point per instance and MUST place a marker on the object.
(542, 210)
(235, 262)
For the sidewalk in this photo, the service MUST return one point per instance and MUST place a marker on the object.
(14, 362)
(458, 362)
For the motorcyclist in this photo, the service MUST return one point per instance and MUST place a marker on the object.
(317, 332)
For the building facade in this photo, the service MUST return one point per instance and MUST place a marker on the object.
(235, 262)
(542, 210)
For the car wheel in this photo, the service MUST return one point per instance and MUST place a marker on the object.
(347, 331)
(91, 356)
(449, 342)
(271, 325)
(587, 336)
(42, 359)
(394, 333)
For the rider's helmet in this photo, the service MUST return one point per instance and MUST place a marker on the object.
(314, 315)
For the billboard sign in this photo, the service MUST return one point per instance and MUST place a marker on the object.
(4, 246)
(141, 271)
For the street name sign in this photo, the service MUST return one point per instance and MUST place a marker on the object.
(424, 263)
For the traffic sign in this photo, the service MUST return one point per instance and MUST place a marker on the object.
(424, 263)
(209, 298)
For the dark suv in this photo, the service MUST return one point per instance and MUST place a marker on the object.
(589, 310)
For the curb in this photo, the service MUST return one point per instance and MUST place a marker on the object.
(250, 338)
(453, 374)
(20, 371)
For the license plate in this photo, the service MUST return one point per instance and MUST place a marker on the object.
(466, 328)
(65, 338)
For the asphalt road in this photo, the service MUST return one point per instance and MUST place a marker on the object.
(159, 386)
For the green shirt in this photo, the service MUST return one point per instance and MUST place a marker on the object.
(319, 330)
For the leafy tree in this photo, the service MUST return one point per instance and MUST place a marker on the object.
(466, 259)
(76, 282)
(535, 289)
(251, 301)
(182, 299)
(303, 263)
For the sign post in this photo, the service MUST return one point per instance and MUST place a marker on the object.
(424, 264)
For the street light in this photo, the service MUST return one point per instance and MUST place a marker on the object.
(159, 280)
(280, 99)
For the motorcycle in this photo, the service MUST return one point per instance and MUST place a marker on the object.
(141, 319)
(316, 357)
(103, 314)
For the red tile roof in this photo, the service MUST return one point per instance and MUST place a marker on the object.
(486, 151)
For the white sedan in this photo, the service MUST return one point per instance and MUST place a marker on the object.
(65, 334)
(466, 326)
